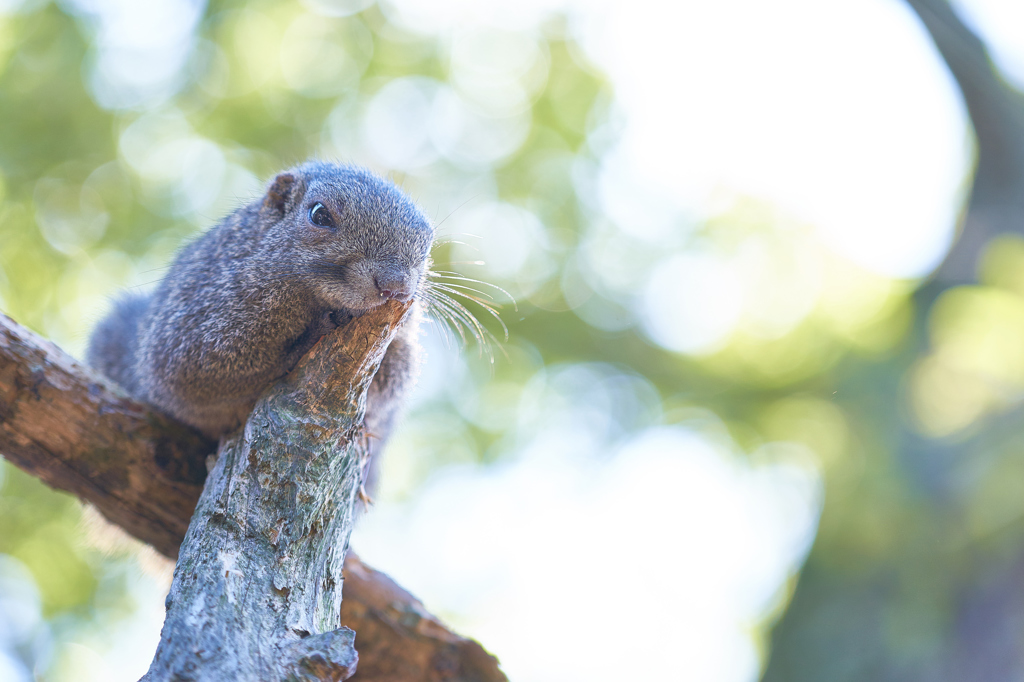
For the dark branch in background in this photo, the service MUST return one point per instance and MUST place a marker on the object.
(144, 472)
(974, 631)
(996, 110)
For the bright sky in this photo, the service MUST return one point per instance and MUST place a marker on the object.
(780, 101)
(788, 105)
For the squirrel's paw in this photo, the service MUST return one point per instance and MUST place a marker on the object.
(327, 323)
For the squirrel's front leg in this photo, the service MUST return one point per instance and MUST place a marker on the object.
(322, 324)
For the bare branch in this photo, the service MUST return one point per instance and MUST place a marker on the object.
(399, 641)
(144, 472)
(77, 432)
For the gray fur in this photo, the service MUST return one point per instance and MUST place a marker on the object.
(240, 305)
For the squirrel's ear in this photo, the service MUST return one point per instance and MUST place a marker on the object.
(281, 194)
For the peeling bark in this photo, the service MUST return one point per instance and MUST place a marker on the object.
(144, 472)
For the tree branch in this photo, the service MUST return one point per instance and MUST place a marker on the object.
(257, 587)
(77, 432)
(144, 472)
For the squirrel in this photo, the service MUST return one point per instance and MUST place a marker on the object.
(241, 304)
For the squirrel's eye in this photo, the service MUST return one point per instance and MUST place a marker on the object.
(319, 216)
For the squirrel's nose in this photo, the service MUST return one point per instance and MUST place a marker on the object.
(399, 289)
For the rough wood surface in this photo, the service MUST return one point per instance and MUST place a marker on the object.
(144, 472)
(77, 432)
(257, 586)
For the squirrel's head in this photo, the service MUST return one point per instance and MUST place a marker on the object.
(352, 236)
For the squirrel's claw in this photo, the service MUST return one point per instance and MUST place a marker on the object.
(364, 498)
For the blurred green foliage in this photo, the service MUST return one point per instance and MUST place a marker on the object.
(41, 530)
(96, 198)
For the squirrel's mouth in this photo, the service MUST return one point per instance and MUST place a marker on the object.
(366, 284)
(343, 295)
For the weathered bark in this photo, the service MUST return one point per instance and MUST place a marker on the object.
(257, 587)
(144, 472)
(77, 432)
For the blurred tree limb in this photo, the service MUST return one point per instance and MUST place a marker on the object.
(938, 603)
(996, 111)
(145, 472)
